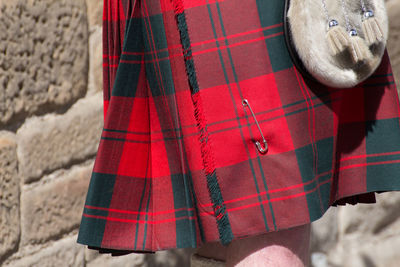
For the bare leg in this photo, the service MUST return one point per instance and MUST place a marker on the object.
(279, 249)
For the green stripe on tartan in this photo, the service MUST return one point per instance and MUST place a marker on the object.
(270, 13)
(237, 82)
(319, 190)
(224, 227)
(140, 207)
(127, 76)
(196, 212)
(146, 218)
(268, 196)
(99, 194)
(185, 230)
(383, 158)
(382, 175)
(158, 67)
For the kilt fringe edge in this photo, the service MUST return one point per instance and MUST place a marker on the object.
(222, 219)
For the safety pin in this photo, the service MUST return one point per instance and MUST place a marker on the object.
(262, 150)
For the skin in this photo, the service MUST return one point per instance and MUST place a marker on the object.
(279, 249)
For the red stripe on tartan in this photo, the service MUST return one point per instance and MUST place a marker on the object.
(138, 221)
(209, 125)
(368, 164)
(371, 155)
(313, 123)
(139, 212)
(271, 191)
(106, 56)
(271, 200)
(153, 47)
(301, 85)
(167, 57)
(227, 37)
(206, 213)
(233, 45)
(105, 108)
(210, 204)
(111, 66)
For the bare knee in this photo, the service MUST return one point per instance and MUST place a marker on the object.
(282, 248)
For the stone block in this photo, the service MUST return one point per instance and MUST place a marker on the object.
(54, 208)
(95, 61)
(373, 252)
(95, 12)
(9, 195)
(54, 141)
(324, 232)
(393, 9)
(64, 252)
(43, 56)
(370, 219)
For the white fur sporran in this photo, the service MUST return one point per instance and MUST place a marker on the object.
(347, 60)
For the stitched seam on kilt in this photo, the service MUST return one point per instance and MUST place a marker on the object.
(314, 141)
(187, 228)
(236, 113)
(311, 129)
(224, 227)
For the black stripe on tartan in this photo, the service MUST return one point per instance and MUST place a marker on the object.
(224, 227)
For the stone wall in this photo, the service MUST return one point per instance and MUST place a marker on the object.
(50, 124)
(51, 116)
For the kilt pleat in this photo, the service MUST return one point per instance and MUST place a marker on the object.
(177, 164)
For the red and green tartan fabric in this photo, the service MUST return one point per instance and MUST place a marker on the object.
(177, 164)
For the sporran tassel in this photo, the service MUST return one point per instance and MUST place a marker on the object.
(337, 37)
(358, 49)
(371, 28)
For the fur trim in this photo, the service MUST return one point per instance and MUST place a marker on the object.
(308, 28)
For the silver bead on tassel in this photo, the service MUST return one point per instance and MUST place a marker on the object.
(371, 28)
(338, 40)
(359, 51)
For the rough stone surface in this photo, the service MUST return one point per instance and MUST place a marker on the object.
(368, 234)
(379, 252)
(53, 141)
(96, 61)
(95, 12)
(324, 232)
(393, 9)
(55, 207)
(64, 252)
(43, 56)
(367, 219)
(9, 195)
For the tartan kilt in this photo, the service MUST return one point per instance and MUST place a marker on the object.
(177, 164)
